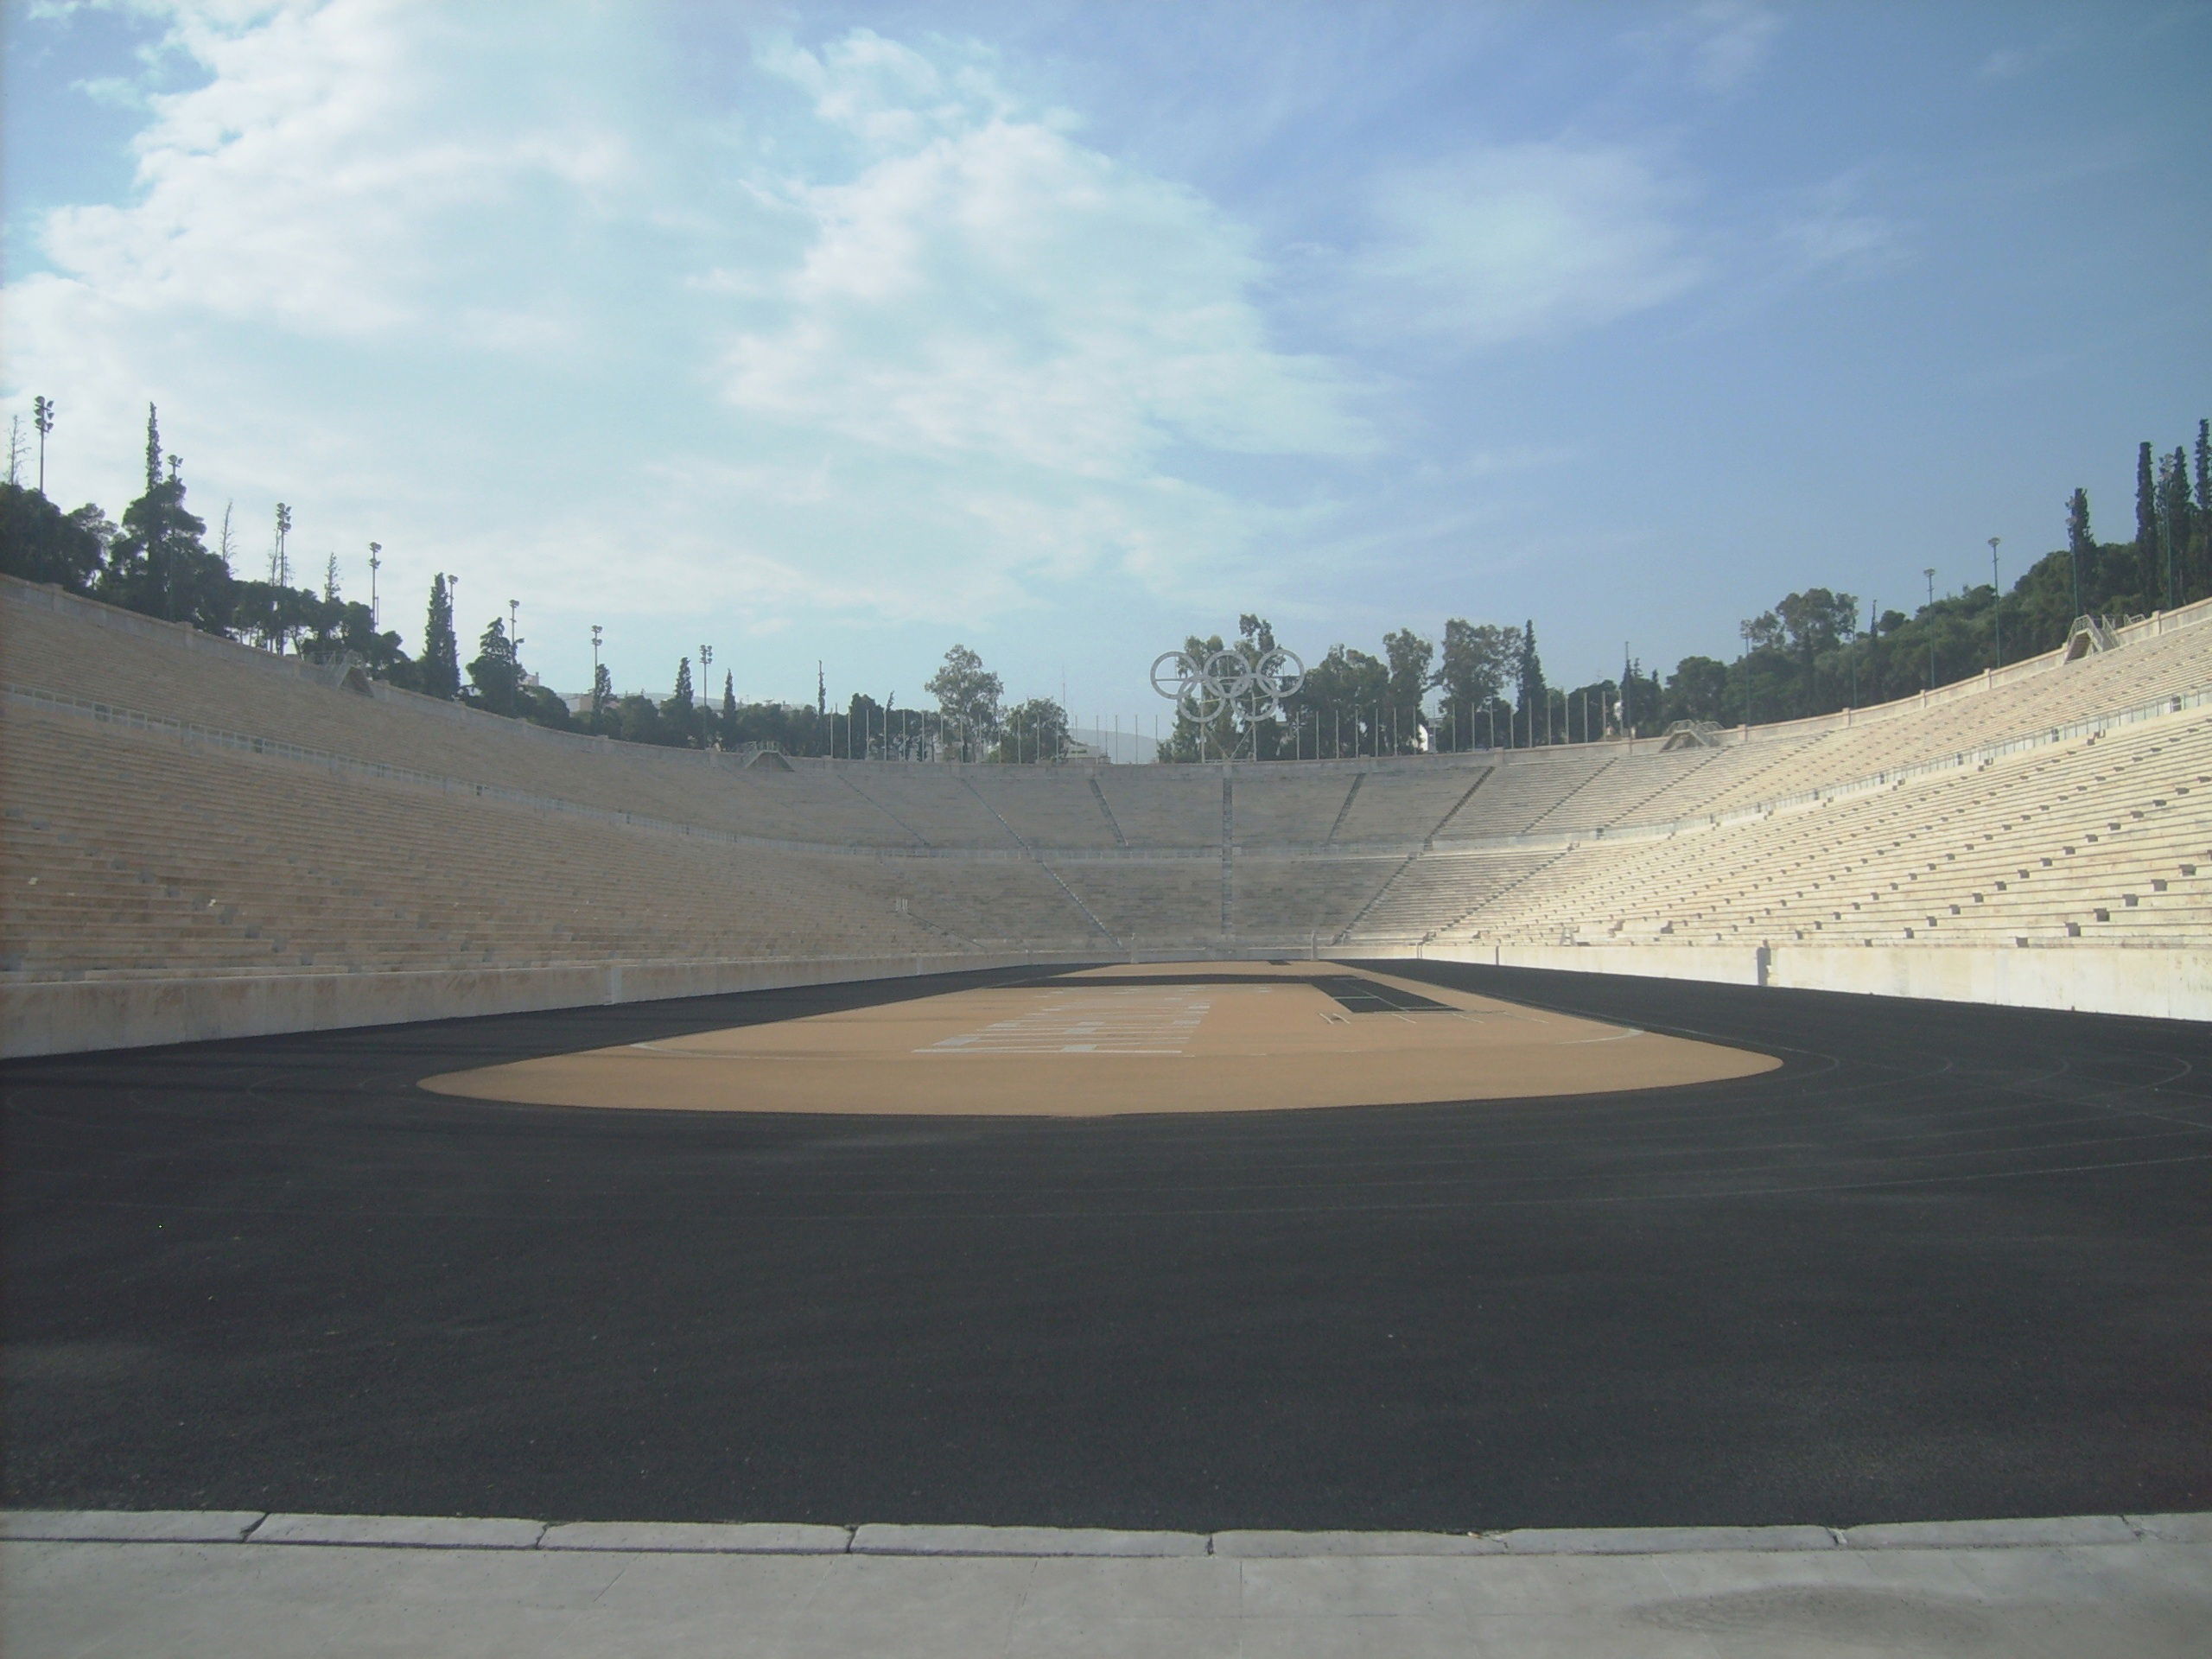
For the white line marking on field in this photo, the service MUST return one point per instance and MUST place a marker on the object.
(1147, 1021)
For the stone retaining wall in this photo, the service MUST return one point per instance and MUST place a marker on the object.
(67, 1017)
(60, 1018)
(2166, 984)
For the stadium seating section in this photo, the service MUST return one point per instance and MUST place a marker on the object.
(177, 805)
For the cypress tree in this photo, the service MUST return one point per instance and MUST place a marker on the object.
(602, 693)
(682, 709)
(730, 709)
(158, 565)
(2081, 546)
(2174, 523)
(1530, 673)
(152, 538)
(2147, 571)
(2201, 553)
(441, 652)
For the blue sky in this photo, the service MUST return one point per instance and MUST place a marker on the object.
(848, 332)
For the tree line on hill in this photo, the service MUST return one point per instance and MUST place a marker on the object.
(1485, 688)
(1814, 652)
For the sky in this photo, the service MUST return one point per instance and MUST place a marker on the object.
(844, 333)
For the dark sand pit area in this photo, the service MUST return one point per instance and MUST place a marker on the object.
(1204, 1037)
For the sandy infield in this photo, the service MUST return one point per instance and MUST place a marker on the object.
(1198, 1037)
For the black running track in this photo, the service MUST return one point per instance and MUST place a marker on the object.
(1948, 1261)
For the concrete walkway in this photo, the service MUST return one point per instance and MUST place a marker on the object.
(241, 1584)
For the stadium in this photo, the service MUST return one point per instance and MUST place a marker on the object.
(1767, 1139)
(2035, 836)
(1034, 1026)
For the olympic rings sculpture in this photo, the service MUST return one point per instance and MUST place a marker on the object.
(1204, 689)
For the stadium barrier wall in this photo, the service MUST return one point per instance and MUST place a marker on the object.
(66, 1017)
(2163, 984)
(75, 1016)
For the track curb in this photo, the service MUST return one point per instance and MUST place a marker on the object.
(290, 1531)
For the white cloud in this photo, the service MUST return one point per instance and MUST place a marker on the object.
(987, 286)
(315, 179)
(1523, 240)
(1731, 42)
(114, 91)
(2010, 62)
(1832, 232)
(892, 95)
(1858, 242)
(466, 290)
(1719, 44)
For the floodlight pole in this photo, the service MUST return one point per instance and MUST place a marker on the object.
(376, 610)
(595, 632)
(43, 420)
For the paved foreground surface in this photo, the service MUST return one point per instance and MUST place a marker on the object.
(1945, 1263)
(2143, 1589)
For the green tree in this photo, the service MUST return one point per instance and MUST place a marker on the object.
(1786, 646)
(1533, 696)
(968, 695)
(861, 733)
(1478, 663)
(1261, 729)
(680, 715)
(2039, 612)
(439, 672)
(1813, 623)
(603, 694)
(1034, 733)
(40, 542)
(2177, 527)
(728, 723)
(541, 707)
(637, 720)
(2200, 561)
(159, 565)
(1191, 738)
(1697, 690)
(357, 633)
(1465, 674)
(1344, 703)
(1409, 657)
(270, 614)
(1587, 711)
(495, 673)
(2148, 572)
(2080, 550)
